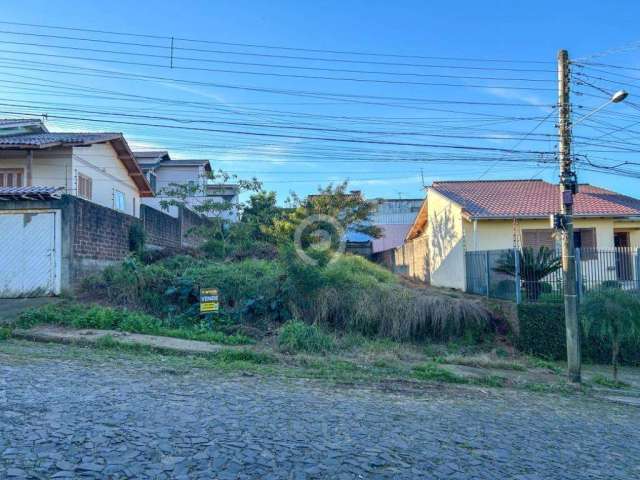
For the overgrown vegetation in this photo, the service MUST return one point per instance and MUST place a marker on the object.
(5, 332)
(296, 336)
(107, 318)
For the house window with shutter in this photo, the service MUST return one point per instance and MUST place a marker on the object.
(11, 177)
(536, 238)
(85, 186)
(585, 240)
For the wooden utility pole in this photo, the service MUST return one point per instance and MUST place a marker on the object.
(568, 187)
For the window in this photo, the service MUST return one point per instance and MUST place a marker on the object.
(11, 177)
(153, 181)
(118, 200)
(537, 238)
(585, 240)
(85, 186)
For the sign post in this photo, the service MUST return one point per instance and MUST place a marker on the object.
(209, 301)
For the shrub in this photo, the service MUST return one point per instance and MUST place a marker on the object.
(137, 237)
(611, 284)
(546, 287)
(533, 267)
(613, 316)
(505, 289)
(5, 333)
(543, 334)
(542, 330)
(296, 336)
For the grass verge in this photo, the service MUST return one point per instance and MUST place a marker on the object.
(76, 315)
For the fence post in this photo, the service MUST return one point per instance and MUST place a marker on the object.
(637, 272)
(516, 257)
(488, 272)
(579, 286)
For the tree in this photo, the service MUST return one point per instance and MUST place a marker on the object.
(533, 267)
(195, 195)
(613, 315)
(348, 209)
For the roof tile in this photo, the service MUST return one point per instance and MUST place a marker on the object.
(532, 198)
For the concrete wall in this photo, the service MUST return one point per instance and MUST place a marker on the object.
(412, 259)
(445, 233)
(100, 162)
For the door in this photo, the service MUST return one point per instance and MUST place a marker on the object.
(29, 257)
(624, 261)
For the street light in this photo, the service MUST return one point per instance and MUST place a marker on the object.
(617, 97)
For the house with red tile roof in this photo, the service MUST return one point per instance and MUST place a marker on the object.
(461, 216)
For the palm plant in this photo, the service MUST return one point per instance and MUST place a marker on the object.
(613, 315)
(533, 267)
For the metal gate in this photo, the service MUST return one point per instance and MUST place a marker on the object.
(29, 253)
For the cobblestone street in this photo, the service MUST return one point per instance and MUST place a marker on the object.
(86, 418)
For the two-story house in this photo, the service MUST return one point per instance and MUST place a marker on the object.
(162, 171)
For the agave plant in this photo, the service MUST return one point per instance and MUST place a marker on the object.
(533, 267)
(613, 315)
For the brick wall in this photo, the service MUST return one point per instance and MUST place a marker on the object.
(162, 230)
(189, 221)
(99, 232)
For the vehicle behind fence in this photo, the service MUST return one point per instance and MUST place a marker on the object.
(532, 276)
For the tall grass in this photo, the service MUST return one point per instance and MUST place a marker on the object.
(350, 294)
(398, 312)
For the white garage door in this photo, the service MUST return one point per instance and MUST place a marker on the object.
(29, 254)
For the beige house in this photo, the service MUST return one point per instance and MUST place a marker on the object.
(461, 216)
(163, 172)
(99, 167)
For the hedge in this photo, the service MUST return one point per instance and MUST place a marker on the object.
(542, 330)
(542, 333)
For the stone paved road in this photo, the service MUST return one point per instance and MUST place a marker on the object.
(73, 418)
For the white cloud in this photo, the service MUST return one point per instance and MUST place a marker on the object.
(518, 95)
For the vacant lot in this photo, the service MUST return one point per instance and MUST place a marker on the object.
(67, 412)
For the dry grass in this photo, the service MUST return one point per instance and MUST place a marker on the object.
(399, 312)
(483, 361)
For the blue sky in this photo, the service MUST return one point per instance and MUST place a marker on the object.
(386, 122)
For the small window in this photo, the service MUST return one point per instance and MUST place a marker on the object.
(11, 177)
(85, 186)
(537, 238)
(118, 200)
(153, 181)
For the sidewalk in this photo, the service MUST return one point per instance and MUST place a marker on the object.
(87, 336)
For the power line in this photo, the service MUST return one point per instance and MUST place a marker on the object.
(214, 42)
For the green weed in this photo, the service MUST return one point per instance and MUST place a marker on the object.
(5, 333)
(296, 336)
(609, 382)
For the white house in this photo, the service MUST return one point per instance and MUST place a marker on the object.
(99, 167)
(162, 171)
